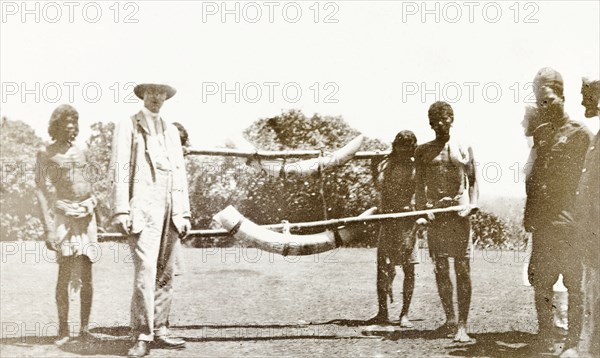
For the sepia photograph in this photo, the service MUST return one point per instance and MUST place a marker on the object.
(304, 178)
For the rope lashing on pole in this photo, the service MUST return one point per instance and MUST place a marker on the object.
(322, 186)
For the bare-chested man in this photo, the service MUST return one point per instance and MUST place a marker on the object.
(72, 233)
(397, 244)
(445, 176)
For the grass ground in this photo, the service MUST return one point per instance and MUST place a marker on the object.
(244, 302)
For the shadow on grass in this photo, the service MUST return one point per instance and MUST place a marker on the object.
(258, 332)
(501, 344)
(28, 341)
(99, 347)
(116, 340)
(369, 322)
(106, 341)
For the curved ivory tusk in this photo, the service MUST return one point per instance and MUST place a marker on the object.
(267, 240)
(351, 233)
(237, 141)
(309, 166)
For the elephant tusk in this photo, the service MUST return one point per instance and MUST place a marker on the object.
(351, 233)
(307, 167)
(283, 244)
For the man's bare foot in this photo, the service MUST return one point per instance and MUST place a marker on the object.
(461, 334)
(62, 341)
(570, 353)
(448, 329)
(405, 323)
(381, 318)
(86, 336)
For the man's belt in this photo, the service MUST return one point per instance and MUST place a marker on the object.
(76, 208)
(445, 202)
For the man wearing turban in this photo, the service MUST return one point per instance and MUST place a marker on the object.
(560, 145)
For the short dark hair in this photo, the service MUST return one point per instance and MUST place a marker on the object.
(405, 138)
(438, 109)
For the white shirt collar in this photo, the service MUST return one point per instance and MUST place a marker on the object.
(150, 115)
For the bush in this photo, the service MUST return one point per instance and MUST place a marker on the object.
(490, 231)
(19, 219)
(98, 153)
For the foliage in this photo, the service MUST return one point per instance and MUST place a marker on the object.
(98, 155)
(491, 231)
(488, 229)
(19, 219)
(346, 190)
(212, 187)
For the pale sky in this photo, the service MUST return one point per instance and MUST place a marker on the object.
(374, 59)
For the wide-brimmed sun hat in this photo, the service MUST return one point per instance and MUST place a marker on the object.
(140, 89)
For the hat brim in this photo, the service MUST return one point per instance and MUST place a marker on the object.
(140, 89)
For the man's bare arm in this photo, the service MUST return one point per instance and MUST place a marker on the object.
(420, 188)
(375, 173)
(473, 180)
(41, 192)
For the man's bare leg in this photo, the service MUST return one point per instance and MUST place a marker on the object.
(86, 294)
(407, 293)
(62, 299)
(385, 276)
(444, 285)
(463, 286)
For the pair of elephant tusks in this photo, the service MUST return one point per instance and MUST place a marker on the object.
(282, 243)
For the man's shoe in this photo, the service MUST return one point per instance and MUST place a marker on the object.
(140, 349)
(168, 343)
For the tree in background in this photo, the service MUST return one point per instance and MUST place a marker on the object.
(98, 155)
(19, 218)
(347, 189)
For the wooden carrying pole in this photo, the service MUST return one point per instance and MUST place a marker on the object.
(326, 224)
(284, 154)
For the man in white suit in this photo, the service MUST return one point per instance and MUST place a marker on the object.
(151, 206)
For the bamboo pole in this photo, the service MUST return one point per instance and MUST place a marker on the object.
(325, 224)
(285, 154)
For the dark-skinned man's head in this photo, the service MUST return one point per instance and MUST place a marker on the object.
(548, 90)
(590, 93)
(64, 124)
(404, 145)
(441, 117)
